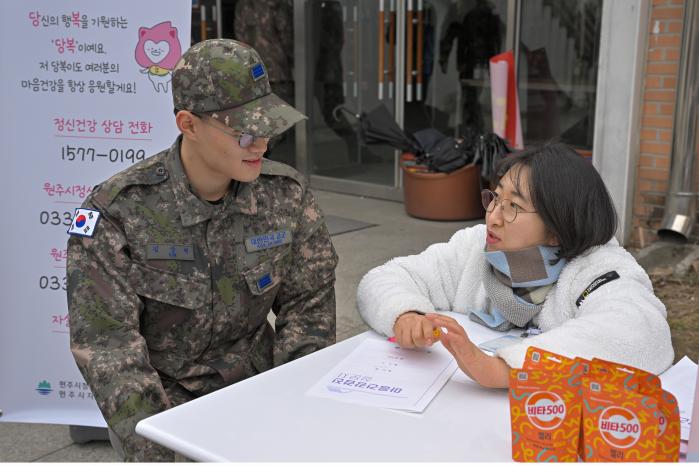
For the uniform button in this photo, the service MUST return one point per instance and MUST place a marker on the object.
(160, 171)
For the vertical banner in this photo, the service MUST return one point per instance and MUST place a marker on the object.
(507, 122)
(85, 93)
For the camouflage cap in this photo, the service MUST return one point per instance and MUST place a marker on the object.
(227, 80)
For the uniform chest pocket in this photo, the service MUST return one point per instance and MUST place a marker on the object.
(266, 275)
(175, 289)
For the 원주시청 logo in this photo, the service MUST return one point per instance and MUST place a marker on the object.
(44, 388)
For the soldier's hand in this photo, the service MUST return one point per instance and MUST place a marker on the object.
(413, 330)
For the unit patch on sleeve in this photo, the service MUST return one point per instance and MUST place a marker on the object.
(596, 283)
(84, 222)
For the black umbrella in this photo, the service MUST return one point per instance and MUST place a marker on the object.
(488, 150)
(438, 152)
(379, 127)
(442, 153)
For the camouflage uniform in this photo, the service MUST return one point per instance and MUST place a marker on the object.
(169, 296)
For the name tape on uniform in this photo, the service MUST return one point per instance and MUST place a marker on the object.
(84, 222)
(268, 240)
(167, 251)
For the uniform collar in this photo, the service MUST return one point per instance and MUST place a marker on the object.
(194, 210)
(241, 202)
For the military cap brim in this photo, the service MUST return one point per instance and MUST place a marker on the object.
(266, 116)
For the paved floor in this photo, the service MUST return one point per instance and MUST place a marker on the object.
(395, 234)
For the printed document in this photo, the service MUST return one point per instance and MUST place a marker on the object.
(680, 380)
(380, 373)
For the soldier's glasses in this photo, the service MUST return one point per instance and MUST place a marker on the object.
(244, 139)
(509, 209)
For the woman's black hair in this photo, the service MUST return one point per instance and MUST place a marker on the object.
(568, 194)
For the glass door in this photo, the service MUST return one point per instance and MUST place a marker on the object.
(557, 70)
(449, 45)
(343, 49)
(427, 63)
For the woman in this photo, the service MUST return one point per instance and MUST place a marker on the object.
(545, 260)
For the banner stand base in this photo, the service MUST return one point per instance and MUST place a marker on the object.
(85, 434)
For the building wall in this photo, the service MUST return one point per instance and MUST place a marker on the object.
(659, 95)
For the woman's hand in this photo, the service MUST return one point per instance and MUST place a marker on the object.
(487, 370)
(413, 330)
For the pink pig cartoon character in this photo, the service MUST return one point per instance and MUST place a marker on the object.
(158, 51)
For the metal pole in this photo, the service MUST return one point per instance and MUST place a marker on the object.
(219, 19)
(302, 88)
(681, 202)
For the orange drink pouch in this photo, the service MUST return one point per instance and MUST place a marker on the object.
(545, 407)
(620, 423)
(668, 438)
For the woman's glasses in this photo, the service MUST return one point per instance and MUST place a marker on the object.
(509, 209)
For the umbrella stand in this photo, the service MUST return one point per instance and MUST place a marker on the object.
(441, 196)
(453, 194)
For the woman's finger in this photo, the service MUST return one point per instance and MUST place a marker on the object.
(449, 347)
(451, 325)
(403, 338)
(429, 332)
(416, 334)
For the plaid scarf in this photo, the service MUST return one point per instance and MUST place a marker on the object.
(516, 285)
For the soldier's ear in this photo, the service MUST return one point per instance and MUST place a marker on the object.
(186, 123)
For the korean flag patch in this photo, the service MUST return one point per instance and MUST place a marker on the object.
(84, 222)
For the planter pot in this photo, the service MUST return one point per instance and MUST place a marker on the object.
(442, 196)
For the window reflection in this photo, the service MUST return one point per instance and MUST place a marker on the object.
(559, 50)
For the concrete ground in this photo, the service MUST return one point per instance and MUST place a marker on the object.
(395, 234)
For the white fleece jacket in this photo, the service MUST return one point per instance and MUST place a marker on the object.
(620, 321)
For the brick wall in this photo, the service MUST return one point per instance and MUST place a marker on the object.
(659, 93)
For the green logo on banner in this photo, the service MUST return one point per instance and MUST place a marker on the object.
(44, 388)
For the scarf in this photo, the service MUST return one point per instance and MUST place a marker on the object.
(516, 284)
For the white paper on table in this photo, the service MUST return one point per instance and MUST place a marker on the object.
(460, 377)
(379, 373)
(680, 380)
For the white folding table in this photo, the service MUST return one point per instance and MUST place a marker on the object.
(269, 418)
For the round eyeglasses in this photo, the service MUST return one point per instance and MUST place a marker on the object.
(245, 140)
(509, 209)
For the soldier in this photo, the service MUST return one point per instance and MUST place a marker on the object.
(175, 263)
